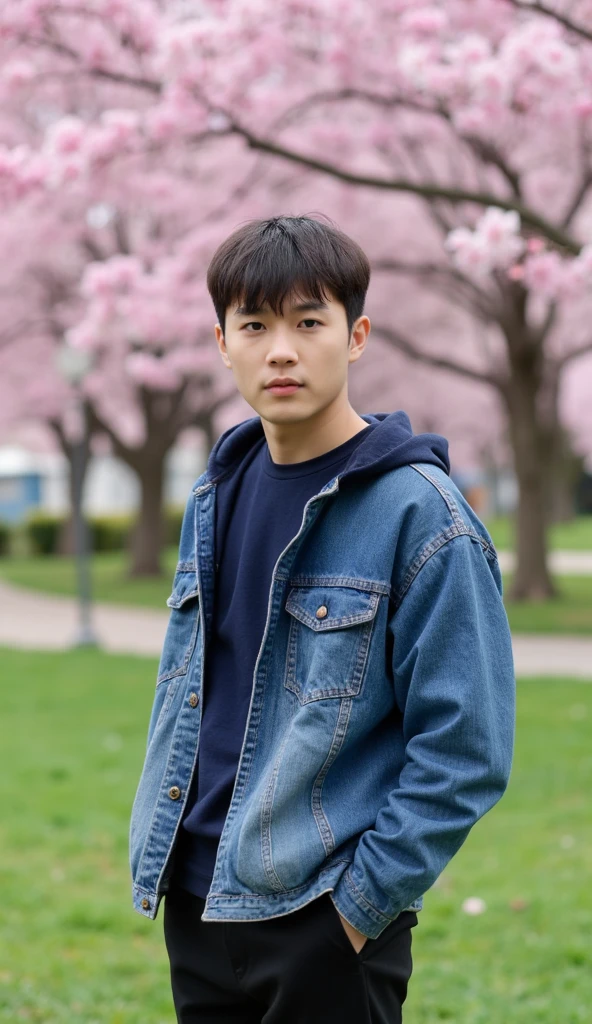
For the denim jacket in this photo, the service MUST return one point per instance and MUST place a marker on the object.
(381, 721)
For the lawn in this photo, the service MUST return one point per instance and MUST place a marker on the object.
(573, 536)
(57, 575)
(571, 612)
(74, 952)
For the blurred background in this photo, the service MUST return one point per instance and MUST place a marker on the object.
(454, 143)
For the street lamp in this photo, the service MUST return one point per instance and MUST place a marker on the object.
(73, 364)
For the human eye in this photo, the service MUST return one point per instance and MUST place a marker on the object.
(252, 323)
(311, 323)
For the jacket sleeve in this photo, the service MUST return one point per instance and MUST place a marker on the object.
(453, 676)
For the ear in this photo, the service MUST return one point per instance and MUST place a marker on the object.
(359, 337)
(221, 345)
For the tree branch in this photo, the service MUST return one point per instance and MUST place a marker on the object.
(485, 150)
(478, 299)
(572, 26)
(404, 345)
(577, 200)
(431, 190)
(146, 84)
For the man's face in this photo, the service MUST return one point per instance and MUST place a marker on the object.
(309, 342)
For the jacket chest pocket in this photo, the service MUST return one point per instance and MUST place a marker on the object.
(183, 626)
(328, 641)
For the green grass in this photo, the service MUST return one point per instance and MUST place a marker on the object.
(534, 849)
(72, 950)
(57, 575)
(573, 536)
(571, 612)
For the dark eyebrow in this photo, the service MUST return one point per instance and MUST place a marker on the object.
(301, 307)
(243, 311)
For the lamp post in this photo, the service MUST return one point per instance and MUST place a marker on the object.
(74, 364)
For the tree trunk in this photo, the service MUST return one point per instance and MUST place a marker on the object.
(205, 422)
(165, 416)
(531, 580)
(148, 534)
(564, 469)
(210, 433)
(66, 544)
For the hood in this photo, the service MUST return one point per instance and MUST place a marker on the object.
(391, 443)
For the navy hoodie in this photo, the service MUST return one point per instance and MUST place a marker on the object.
(259, 510)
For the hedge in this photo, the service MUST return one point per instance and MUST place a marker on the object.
(5, 532)
(107, 533)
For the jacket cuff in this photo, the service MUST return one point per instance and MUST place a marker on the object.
(354, 907)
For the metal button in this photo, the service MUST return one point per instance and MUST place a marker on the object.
(321, 612)
(146, 904)
(193, 699)
(174, 792)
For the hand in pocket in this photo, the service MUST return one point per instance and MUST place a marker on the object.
(357, 939)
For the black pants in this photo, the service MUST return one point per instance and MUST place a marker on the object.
(300, 968)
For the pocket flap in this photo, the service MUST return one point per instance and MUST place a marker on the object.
(339, 606)
(184, 588)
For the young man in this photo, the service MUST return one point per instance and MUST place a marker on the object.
(334, 705)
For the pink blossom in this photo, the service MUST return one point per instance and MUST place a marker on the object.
(573, 281)
(425, 20)
(124, 122)
(471, 120)
(472, 49)
(469, 251)
(535, 244)
(189, 359)
(494, 243)
(162, 123)
(83, 336)
(66, 136)
(556, 59)
(489, 81)
(543, 273)
(583, 105)
(152, 372)
(97, 280)
(124, 271)
(17, 73)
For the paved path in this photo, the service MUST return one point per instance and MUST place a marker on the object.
(572, 563)
(42, 622)
(39, 621)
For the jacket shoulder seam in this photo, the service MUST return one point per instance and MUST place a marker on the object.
(454, 510)
(430, 549)
(445, 494)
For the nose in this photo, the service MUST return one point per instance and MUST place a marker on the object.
(281, 348)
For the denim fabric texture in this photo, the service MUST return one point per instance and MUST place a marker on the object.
(381, 723)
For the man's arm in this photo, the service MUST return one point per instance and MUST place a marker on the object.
(453, 676)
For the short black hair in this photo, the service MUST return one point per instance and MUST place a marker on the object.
(267, 260)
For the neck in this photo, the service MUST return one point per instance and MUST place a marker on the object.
(298, 442)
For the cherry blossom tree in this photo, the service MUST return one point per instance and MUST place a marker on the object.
(477, 112)
(112, 266)
(482, 111)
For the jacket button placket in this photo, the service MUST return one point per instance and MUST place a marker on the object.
(174, 792)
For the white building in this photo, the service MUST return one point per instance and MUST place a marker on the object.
(34, 479)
